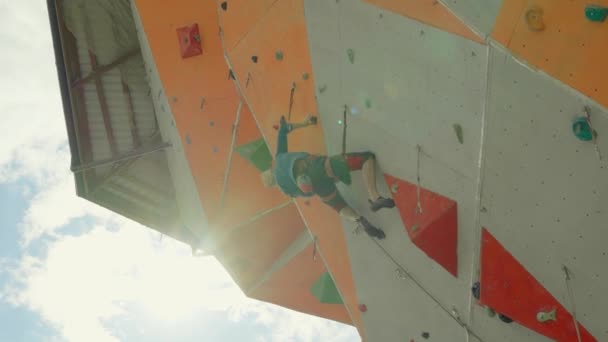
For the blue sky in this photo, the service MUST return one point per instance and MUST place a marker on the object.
(72, 271)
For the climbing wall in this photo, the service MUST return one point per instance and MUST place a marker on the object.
(271, 61)
(544, 190)
(188, 200)
(470, 104)
(220, 144)
(439, 90)
(480, 15)
(398, 96)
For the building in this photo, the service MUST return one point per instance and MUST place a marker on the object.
(481, 114)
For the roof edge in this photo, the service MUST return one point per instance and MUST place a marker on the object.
(65, 92)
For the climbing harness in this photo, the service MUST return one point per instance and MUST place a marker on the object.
(571, 298)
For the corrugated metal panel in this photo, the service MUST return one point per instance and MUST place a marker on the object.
(107, 30)
(141, 189)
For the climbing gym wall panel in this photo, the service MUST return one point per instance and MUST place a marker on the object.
(430, 12)
(244, 194)
(478, 14)
(251, 249)
(433, 229)
(240, 17)
(417, 90)
(509, 289)
(270, 61)
(197, 88)
(272, 66)
(396, 99)
(558, 38)
(291, 285)
(545, 191)
(396, 308)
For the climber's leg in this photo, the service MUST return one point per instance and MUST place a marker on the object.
(331, 196)
(366, 161)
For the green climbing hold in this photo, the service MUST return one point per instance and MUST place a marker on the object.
(278, 55)
(596, 13)
(582, 129)
(324, 289)
(368, 103)
(322, 89)
(351, 55)
(257, 153)
(305, 76)
(459, 134)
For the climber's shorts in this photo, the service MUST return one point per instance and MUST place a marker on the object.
(338, 168)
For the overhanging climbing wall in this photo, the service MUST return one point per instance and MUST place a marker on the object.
(544, 190)
(401, 95)
(495, 139)
(257, 233)
(269, 58)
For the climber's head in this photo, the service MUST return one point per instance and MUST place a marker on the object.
(268, 178)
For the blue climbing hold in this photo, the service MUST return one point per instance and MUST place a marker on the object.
(188, 141)
(582, 129)
(596, 13)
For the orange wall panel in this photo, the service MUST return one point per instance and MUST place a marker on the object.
(267, 85)
(430, 12)
(290, 286)
(245, 195)
(257, 246)
(570, 48)
(197, 88)
(270, 80)
(241, 16)
(205, 77)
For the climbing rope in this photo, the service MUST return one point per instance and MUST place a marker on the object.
(230, 153)
(344, 130)
(314, 248)
(418, 205)
(593, 132)
(571, 298)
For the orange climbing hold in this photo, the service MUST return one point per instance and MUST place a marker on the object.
(435, 229)
(430, 12)
(508, 288)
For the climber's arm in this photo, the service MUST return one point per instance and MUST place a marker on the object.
(285, 128)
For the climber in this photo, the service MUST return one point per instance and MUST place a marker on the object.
(300, 174)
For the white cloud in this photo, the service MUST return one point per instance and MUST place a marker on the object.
(84, 281)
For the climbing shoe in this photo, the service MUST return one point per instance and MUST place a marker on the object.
(371, 230)
(380, 203)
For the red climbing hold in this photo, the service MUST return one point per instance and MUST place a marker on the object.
(362, 307)
(435, 230)
(508, 288)
(189, 41)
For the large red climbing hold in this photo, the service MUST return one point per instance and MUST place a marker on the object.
(189, 41)
(508, 288)
(434, 229)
